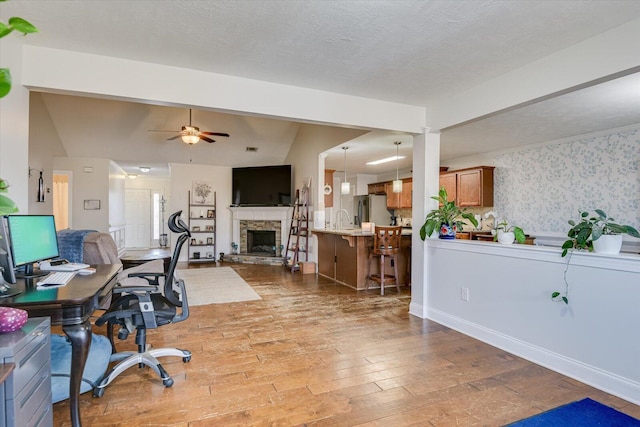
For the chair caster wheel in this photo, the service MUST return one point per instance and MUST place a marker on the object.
(186, 359)
(168, 383)
(98, 392)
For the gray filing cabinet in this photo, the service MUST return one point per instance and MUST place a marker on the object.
(25, 396)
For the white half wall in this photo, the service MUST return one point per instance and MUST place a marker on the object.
(592, 339)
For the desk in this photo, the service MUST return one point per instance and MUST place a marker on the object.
(70, 306)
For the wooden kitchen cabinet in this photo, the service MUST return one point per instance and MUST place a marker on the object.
(449, 182)
(469, 187)
(399, 200)
(377, 188)
(328, 180)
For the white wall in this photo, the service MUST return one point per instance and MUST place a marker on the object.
(593, 339)
(182, 177)
(94, 185)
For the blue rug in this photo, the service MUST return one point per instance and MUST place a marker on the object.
(584, 413)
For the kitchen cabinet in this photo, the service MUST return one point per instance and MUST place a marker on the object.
(399, 200)
(343, 256)
(377, 188)
(469, 187)
(449, 182)
(328, 181)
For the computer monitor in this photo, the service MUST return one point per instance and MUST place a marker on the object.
(32, 238)
(6, 262)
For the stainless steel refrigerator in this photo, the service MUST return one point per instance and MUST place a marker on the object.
(371, 208)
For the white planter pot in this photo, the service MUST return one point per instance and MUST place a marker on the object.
(506, 238)
(609, 244)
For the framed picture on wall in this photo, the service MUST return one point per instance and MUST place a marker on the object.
(91, 205)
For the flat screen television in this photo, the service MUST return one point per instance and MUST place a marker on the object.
(32, 238)
(261, 186)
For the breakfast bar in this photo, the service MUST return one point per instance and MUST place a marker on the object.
(343, 256)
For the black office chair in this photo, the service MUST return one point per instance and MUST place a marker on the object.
(146, 307)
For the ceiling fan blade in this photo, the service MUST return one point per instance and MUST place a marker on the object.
(158, 130)
(215, 133)
(174, 137)
(204, 138)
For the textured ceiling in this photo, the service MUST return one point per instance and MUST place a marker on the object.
(403, 51)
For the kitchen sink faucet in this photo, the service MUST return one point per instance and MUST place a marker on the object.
(339, 217)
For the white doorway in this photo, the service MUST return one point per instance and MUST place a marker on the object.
(137, 212)
(61, 194)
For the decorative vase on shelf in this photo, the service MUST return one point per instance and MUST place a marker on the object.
(608, 244)
(447, 231)
(506, 238)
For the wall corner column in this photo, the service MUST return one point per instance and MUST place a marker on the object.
(426, 172)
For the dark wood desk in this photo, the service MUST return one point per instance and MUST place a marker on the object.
(70, 306)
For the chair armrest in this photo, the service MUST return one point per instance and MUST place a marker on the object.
(133, 289)
(152, 278)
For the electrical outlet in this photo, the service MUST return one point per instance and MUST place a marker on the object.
(464, 294)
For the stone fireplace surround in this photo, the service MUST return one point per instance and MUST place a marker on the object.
(270, 216)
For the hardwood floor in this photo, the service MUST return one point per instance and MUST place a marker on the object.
(314, 353)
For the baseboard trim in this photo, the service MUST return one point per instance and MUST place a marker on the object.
(595, 377)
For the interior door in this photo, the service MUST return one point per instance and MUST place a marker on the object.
(137, 213)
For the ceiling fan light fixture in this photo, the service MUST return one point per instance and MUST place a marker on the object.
(190, 134)
(190, 139)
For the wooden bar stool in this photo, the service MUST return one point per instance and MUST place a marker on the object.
(386, 243)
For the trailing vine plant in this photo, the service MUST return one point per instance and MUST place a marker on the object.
(558, 296)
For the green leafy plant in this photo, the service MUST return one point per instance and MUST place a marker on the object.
(448, 213)
(581, 236)
(7, 206)
(503, 226)
(583, 233)
(22, 26)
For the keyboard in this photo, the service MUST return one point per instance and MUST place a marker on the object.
(59, 278)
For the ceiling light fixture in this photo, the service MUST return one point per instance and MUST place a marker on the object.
(345, 187)
(385, 160)
(191, 133)
(397, 183)
(132, 175)
(144, 169)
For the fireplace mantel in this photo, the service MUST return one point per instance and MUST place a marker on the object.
(262, 213)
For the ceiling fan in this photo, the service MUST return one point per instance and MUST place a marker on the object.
(191, 134)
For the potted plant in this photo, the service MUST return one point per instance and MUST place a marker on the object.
(598, 232)
(446, 218)
(506, 234)
(22, 26)
(7, 206)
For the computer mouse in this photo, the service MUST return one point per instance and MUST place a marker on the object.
(86, 271)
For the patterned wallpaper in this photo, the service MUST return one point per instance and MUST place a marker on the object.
(542, 187)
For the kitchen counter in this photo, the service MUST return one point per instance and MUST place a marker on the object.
(356, 232)
(343, 256)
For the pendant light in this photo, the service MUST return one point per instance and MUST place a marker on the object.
(345, 187)
(397, 183)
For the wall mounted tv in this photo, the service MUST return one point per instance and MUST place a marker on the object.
(261, 186)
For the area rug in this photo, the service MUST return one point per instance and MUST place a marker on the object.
(583, 413)
(215, 286)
